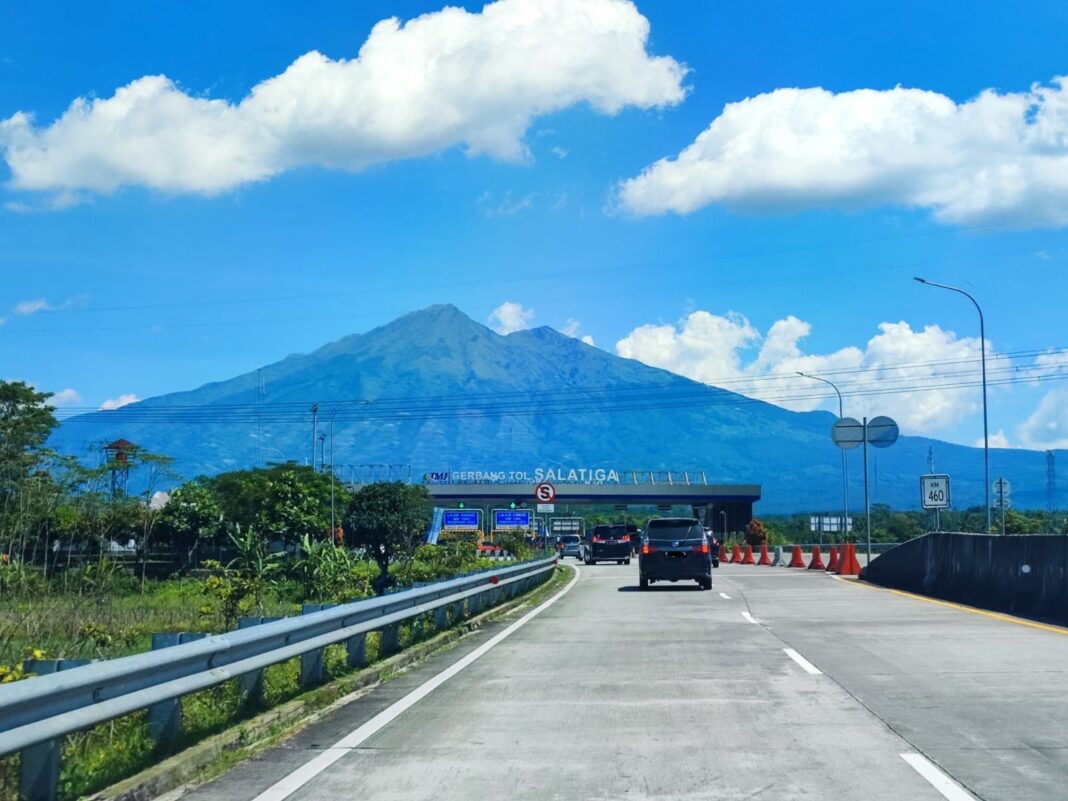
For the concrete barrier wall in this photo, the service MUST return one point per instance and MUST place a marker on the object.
(1021, 575)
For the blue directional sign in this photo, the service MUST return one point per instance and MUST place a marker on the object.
(511, 518)
(461, 518)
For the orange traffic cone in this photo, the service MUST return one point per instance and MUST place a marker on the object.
(817, 559)
(736, 555)
(747, 557)
(722, 552)
(832, 565)
(765, 557)
(848, 564)
(798, 559)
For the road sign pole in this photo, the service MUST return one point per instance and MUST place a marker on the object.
(845, 463)
(867, 504)
(1001, 502)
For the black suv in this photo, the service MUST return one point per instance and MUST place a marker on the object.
(607, 544)
(675, 549)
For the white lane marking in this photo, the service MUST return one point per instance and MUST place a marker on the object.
(302, 775)
(949, 789)
(807, 666)
(749, 617)
(724, 596)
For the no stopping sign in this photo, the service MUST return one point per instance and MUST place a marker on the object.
(545, 493)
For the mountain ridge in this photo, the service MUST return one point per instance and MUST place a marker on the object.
(558, 400)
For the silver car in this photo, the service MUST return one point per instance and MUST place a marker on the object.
(570, 545)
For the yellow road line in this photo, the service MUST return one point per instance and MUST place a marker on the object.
(961, 607)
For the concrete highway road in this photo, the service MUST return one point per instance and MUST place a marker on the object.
(779, 684)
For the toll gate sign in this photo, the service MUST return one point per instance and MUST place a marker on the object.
(511, 519)
(934, 491)
(456, 519)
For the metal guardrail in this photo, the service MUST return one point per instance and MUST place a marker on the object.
(35, 714)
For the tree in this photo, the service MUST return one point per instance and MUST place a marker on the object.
(26, 421)
(191, 515)
(27, 492)
(388, 519)
(283, 502)
(755, 533)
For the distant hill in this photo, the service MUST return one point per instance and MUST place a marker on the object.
(448, 393)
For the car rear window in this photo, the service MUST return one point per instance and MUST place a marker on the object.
(600, 531)
(621, 530)
(569, 538)
(664, 530)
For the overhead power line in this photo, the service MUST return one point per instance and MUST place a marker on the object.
(460, 408)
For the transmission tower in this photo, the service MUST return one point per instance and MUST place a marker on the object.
(1051, 490)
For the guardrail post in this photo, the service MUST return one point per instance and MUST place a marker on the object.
(357, 650)
(250, 684)
(474, 605)
(39, 764)
(441, 617)
(311, 663)
(390, 642)
(39, 772)
(165, 718)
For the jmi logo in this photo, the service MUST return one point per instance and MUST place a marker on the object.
(436, 476)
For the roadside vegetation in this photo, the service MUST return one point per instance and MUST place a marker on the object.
(91, 568)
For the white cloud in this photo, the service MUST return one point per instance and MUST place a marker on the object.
(997, 440)
(509, 317)
(1057, 358)
(997, 157)
(65, 397)
(1047, 426)
(117, 403)
(571, 328)
(507, 206)
(559, 152)
(26, 307)
(444, 79)
(729, 351)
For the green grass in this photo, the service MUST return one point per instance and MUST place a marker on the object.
(98, 758)
(105, 626)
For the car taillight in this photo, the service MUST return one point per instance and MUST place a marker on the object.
(646, 549)
(702, 548)
(598, 539)
(625, 538)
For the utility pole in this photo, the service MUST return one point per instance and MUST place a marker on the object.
(315, 415)
(322, 452)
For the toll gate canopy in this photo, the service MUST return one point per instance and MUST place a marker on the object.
(709, 502)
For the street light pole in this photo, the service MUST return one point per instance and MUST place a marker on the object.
(845, 470)
(986, 430)
(333, 475)
(723, 512)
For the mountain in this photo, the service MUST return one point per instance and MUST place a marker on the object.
(447, 393)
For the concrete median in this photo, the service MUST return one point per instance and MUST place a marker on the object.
(1020, 575)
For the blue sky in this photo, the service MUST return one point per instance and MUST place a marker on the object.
(131, 271)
